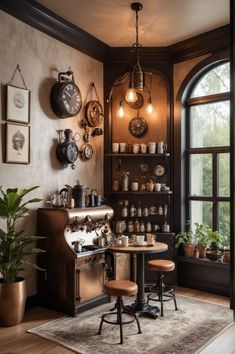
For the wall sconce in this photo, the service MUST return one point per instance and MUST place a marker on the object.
(121, 111)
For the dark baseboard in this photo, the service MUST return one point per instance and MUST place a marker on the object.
(31, 301)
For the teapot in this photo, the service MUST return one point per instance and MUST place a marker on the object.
(78, 193)
(77, 245)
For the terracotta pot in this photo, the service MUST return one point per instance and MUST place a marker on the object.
(226, 256)
(202, 251)
(12, 300)
(189, 250)
(214, 255)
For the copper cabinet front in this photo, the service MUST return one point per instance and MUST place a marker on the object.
(89, 281)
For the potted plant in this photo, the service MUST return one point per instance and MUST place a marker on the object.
(215, 240)
(186, 239)
(15, 245)
(202, 232)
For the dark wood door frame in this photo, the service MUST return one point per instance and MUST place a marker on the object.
(232, 158)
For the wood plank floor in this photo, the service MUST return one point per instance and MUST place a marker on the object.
(15, 340)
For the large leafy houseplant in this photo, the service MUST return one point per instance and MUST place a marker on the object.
(14, 244)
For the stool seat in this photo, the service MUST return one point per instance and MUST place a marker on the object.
(161, 265)
(120, 288)
(159, 291)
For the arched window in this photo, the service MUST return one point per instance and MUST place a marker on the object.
(208, 150)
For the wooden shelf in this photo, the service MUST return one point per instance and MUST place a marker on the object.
(140, 192)
(135, 155)
(202, 261)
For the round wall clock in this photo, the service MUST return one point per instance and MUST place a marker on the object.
(67, 152)
(159, 170)
(94, 113)
(66, 99)
(138, 127)
(86, 151)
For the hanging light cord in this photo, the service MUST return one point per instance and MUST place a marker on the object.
(137, 44)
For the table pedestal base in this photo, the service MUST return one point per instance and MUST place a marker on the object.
(142, 310)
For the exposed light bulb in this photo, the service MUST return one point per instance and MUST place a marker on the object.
(121, 111)
(131, 95)
(150, 106)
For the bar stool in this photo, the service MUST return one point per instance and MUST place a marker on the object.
(120, 288)
(163, 293)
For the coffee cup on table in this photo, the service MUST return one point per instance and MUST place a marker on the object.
(140, 240)
(125, 240)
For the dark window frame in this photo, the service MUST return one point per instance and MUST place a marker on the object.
(214, 151)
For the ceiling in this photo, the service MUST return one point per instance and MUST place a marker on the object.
(161, 22)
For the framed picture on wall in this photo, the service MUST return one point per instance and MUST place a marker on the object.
(17, 143)
(18, 104)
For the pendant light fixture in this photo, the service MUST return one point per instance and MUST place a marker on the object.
(136, 75)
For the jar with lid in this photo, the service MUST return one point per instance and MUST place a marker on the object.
(137, 226)
(132, 211)
(148, 226)
(124, 210)
(139, 211)
(145, 211)
(142, 227)
(130, 226)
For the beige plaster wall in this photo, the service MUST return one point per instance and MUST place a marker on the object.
(41, 58)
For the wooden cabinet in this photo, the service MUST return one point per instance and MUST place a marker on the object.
(140, 211)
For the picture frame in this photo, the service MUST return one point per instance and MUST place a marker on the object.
(17, 143)
(17, 104)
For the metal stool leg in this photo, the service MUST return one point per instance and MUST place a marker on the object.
(119, 317)
(176, 308)
(161, 286)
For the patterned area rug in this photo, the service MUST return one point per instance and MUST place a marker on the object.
(184, 331)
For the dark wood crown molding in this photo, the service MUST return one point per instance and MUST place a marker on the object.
(38, 16)
(208, 42)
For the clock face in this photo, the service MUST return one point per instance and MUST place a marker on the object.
(87, 151)
(138, 127)
(66, 99)
(67, 152)
(72, 152)
(71, 99)
(159, 170)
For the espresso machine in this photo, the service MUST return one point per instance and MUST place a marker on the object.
(75, 263)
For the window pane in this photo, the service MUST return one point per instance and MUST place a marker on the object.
(224, 175)
(201, 212)
(224, 222)
(209, 124)
(215, 81)
(200, 167)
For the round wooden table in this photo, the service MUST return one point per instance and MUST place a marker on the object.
(140, 305)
